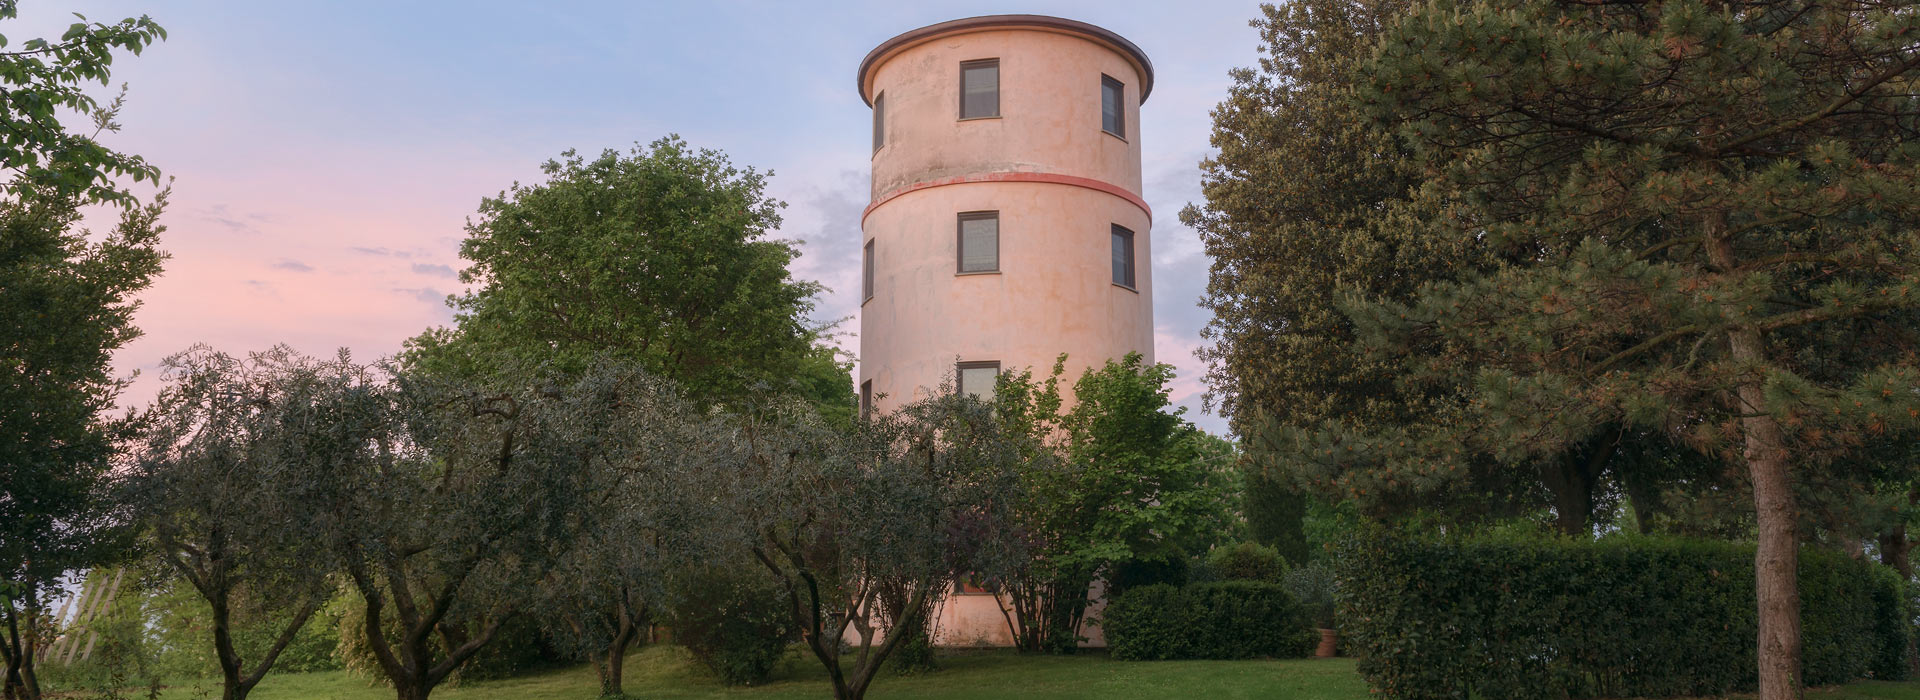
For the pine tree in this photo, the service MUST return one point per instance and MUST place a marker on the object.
(1709, 215)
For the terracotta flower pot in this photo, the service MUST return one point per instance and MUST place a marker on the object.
(1328, 642)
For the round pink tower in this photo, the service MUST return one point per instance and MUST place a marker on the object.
(1006, 224)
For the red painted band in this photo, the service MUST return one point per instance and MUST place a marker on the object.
(1086, 182)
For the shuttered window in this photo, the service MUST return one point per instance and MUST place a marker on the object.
(1113, 106)
(879, 121)
(866, 399)
(1122, 256)
(866, 281)
(979, 242)
(980, 89)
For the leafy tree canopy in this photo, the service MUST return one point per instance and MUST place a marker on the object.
(660, 256)
(66, 303)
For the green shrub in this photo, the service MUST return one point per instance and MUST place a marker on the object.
(1221, 620)
(1313, 586)
(1134, 573)
(734, 623)
(1540, 617)
(1246, 561)
(1147, 623)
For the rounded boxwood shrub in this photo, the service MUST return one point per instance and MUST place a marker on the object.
(1134, 573)
(1147, 623)
(1531, 616)
(733, 622)
(1217, 620)
(1246, 561)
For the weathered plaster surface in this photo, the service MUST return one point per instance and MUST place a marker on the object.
(1059, 183)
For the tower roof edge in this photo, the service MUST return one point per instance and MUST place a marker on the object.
(915, 37)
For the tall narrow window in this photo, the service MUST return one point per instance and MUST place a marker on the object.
(879, 121)
(1122, 256)
(979, 242)
(866, 399)
(866, 282)
(1113, 106)
(980, 89)
(977, 379)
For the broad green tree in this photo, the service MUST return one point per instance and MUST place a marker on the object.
(662, 256)
(1307, 195)
(1707, 212)
(1311, 195)
(66, 303)
(1117, 477)
(46, 83)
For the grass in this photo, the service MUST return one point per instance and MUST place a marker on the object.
(666, 673)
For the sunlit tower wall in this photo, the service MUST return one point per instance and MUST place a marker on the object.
(1006, 223)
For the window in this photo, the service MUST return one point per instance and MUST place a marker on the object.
(866, 282)
(980, 89)
(866, 399)
(1122, 256)
(1113, 106)
(879, 121)
(979, 242)
(977, 379)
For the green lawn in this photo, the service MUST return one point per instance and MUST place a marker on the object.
(665, 673)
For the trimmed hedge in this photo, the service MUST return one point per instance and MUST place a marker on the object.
(1535, 617)
(1219, 620)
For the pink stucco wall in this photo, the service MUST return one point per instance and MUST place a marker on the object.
(1054, 291)
(1059, 183)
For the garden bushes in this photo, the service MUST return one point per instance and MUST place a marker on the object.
(1531, 617)
(1217, 620)
(734, 622)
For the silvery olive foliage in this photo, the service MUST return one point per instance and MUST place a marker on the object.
(644, 451)
(215, 482)
(470, 501)
(897, 509)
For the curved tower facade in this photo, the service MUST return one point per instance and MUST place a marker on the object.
(1006, 224)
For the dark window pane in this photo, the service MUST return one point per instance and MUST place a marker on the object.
(879, 121)
(866, 285)
(980, 89)
(979, 242)
(1122, 257)
(1113, 110)
(866, 398)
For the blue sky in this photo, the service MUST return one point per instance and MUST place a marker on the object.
(328, 154)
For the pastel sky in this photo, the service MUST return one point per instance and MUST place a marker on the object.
(326, 155)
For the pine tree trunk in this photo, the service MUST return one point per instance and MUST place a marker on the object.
(1776, 559)
(1572, 495)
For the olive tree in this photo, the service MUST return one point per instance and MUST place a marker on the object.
(641, 516)
(207, 482)
(464, 506)
(863, 530)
